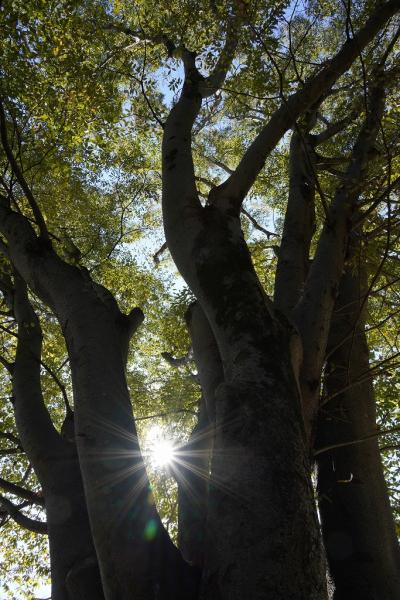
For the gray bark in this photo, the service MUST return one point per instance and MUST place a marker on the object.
(260, 491)
(299, 223)
(312, 314)
(54, 460)
(136, 557)
(357, 523)
(193, 468)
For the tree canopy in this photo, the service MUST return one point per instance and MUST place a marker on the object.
(199, 203)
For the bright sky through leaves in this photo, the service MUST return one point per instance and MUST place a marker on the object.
(159, 449)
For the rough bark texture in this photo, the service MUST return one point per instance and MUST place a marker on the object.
(260, 491)
(357, 523)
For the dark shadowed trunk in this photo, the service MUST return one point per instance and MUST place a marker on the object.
(193, 468)
(248, 515)
(135, 555)
(260, 493)
(357, 522)
(74, 570)
(260, 496)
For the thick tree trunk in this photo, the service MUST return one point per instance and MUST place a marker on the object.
(260, 497)
(74, 569)
(357, 523)
(260, 491)
(191, 471)
(75, 573)
(136, 557)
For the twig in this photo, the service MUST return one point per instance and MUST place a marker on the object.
(358, 441)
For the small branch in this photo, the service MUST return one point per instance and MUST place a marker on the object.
(20, 177)
(60, 385)
(140, 36)
(167, 414)
(135, 318)
(161, 250)
(22, 492)
(21, 519)
(177, 362)
(215, 80)
(358, 441)
(390, 188)
(9, 451)
(257, 225)
(10, 437)
(389, 447)
(334, 128)
(220, 164)
(7, 365)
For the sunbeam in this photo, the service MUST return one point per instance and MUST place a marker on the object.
(160, 451)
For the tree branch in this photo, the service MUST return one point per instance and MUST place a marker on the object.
(35, 427)
(256, 225)
(10, 437)
(181, 200)
(160, 251)
(20, 177)
(334, 128)
(359, 441)
(236, 187)
(214, 81)
(21, 519)
(22, 492)
(313, 312)
(299, 223)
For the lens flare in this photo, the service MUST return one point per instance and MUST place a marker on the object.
(160, 450)
(162, 453)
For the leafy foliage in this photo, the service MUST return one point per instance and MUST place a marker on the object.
(86, 87)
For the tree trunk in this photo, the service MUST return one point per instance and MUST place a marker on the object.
(260, 491)
(299, 223)
(136, 556)
(75, 573)
(357, 523)
(137, 559)
(193, 469)
(74, 569)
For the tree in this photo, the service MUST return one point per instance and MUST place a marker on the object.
(252, 530)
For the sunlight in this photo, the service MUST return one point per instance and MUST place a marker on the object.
(161, 451)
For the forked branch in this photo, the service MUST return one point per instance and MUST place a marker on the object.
(236, 187)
